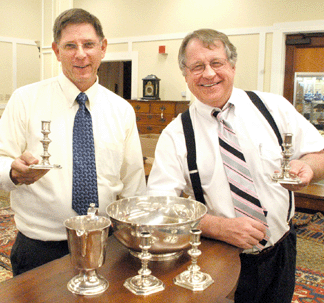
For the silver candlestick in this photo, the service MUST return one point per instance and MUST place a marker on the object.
(284, 177)
(144, 283)
(45, 164)
(193, 278)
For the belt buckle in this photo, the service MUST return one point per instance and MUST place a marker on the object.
(254, 251)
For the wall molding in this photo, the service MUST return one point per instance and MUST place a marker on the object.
(15, 42)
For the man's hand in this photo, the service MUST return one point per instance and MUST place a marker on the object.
(309, 168)
(302, 170)
(21, 173)
(242, 232)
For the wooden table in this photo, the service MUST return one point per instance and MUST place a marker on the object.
(48, 283)
(310, 197)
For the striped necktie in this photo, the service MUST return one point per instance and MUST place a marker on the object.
(245, 198)
(84, 189)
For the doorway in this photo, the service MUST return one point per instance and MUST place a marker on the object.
(117, 77)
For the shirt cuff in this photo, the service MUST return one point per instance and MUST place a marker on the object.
(5, 180)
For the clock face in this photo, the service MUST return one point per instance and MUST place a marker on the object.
(149, 89)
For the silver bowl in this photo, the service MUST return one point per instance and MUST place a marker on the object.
(168, 219)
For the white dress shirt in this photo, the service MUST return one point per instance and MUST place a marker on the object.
(169, 175)
(41, 208)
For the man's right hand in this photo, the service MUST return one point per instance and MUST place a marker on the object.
(21, 173)
(242, 232)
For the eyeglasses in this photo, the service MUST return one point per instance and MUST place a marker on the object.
(71, 47)
(199, 68)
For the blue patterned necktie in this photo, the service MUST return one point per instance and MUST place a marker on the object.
(245, 198)
(84, 190)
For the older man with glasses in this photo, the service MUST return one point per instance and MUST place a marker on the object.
(236, 151)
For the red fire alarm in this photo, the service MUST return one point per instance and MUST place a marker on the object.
(162, 49)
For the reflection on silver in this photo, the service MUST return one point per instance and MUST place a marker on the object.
(45, 164)
(87, 240)
(284, 177)
(193, 278)
(168, 219)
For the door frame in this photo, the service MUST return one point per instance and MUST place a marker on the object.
(312, 40)
(127, 56)
(279, 48)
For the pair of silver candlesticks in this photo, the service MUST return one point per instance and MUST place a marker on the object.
(282, 177)
(192, 278)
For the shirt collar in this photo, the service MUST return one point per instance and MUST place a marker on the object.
(70, 91)
(207, 111)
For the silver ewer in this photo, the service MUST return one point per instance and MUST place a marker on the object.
(45, 164)
(87, 239)
(284, 176)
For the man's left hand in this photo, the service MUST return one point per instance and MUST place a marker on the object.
(302, 170)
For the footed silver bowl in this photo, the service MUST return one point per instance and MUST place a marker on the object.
(168, 219)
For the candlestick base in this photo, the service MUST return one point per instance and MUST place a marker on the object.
(277, 177)
(197, 282)
(42, 166)
(144, 286)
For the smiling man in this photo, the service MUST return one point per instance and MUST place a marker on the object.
(108, 166)
(236, 152)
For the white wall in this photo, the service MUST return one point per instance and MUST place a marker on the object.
(20, 27)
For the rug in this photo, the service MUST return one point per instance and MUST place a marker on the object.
(8, 233)
(309, 286)
(4, 199)
(310, 226)
(310, 258)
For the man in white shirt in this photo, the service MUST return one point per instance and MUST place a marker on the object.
(42, 198)
(207, 59)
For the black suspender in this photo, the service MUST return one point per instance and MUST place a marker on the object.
(191, 146)
(191, 156)
(262, 108)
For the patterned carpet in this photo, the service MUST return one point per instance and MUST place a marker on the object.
(8, 233)
(310, 252)
(4, 199)
(310, 256)
(309, 286)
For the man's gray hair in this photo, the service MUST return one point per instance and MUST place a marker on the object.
(208, 37)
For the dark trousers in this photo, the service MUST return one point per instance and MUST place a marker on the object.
(27, 253)
(269, 277)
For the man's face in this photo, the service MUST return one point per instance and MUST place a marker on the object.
(80, 52)
(212, 87)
